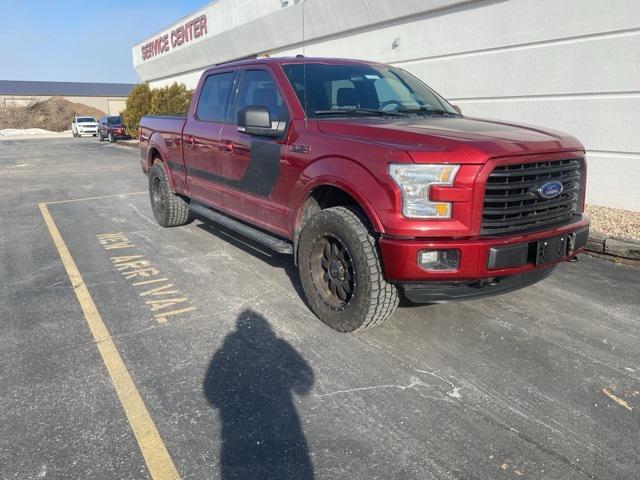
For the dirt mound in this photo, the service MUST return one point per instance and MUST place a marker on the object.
(55, 114)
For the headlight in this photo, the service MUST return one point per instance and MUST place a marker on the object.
(414, 182)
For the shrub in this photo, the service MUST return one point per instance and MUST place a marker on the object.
(171, 100)
(138, 104)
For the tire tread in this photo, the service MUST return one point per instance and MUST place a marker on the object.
(177, 206)
(383, 296)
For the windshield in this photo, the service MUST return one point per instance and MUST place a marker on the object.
(114, 120)
(347, 87)
(86, 120)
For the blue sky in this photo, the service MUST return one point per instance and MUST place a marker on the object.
(77, 41)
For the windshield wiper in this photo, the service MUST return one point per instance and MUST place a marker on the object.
(359, 111)
(429, 111)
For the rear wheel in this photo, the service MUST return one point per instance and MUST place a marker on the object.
(341, 273)
(169, 209)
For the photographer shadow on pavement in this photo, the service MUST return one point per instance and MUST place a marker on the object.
(250, 381)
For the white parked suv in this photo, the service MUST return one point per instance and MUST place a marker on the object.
(84, 126)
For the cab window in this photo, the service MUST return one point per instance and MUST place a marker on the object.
(212, 104)
(258, 88)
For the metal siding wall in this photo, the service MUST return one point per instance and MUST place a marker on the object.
(571, 65)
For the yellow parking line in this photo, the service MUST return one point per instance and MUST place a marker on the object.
(94, 198)
(155, 453)
(620, 401)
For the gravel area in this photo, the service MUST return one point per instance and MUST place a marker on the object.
(129, 142)
(615, 222)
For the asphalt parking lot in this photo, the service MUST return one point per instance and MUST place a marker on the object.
(239, 380)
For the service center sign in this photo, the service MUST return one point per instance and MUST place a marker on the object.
(186, 32)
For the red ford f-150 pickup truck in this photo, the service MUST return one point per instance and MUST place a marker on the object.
(371, 180)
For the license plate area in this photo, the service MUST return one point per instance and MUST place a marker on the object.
(551, 249)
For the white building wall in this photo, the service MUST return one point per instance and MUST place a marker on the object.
(571, 65)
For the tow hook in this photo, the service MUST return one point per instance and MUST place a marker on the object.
(486, 282)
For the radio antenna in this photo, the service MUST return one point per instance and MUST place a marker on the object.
(302, 5)
(304, 66)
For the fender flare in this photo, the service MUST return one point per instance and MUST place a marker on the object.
(156, 143)
(355, 180)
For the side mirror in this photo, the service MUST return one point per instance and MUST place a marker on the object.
(457, 109)
(256, 120)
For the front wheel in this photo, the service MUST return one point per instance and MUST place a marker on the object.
(169, 209)
(112, 139)
(341, 273)
(100, 137)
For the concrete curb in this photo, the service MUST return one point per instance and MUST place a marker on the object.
(613, 246)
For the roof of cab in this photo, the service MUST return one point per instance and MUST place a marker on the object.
(294, 60)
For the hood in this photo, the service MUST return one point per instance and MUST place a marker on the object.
(464, 139)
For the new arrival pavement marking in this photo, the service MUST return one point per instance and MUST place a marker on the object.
(157, 458)
(161, 294)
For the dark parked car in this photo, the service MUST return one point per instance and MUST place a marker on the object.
(112, 128)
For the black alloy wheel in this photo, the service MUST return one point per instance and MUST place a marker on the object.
(158, 197)
(340, 270)
(168, 208)
(332, 271)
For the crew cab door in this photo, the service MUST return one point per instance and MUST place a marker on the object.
(251, 164)
(201, 136)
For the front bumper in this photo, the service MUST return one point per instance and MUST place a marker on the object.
(478, 257)
(120, 134)
(442, 292)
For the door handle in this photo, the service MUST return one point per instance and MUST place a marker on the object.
(226, 146)
(191, 140)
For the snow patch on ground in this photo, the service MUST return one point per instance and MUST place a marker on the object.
(30, 132)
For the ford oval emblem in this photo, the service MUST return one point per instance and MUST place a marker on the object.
(550, 189)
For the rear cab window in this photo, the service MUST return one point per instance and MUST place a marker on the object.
(214, 97)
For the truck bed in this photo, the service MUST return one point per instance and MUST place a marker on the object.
(166, 130)
(163, 123)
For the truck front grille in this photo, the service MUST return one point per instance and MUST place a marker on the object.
(512, 203)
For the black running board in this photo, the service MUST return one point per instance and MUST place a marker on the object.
(263, 238)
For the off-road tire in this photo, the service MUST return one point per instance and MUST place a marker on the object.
(373, 299)
(169, 209)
